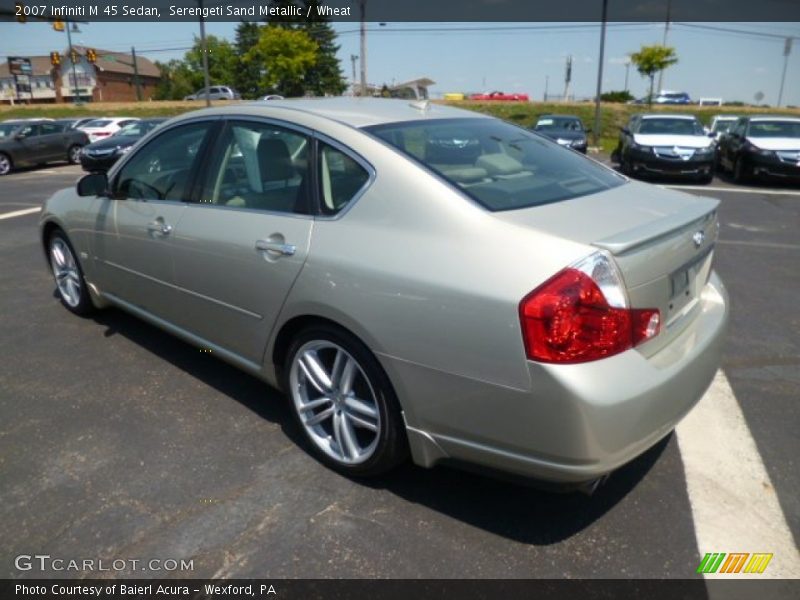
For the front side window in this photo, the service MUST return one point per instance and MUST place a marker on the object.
(48, 128)
(162, 169)
(30, 130)
(341, 178)
(501, 166)
(259, 166)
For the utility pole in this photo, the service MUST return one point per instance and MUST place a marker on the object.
(787, 50)
(596, 128)
(567, 78)
(204, 50)
(136, 75)
(546, 84)
(664, 43)
(627, 68)
(363, 48)
(353, 59)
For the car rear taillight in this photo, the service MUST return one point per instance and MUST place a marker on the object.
(582, 314)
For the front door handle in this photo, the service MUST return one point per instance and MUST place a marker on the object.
(158, 226)
(276, 247)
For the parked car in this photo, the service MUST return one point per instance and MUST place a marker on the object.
(35, 142)
(273, 97)
(217, 92)
(500, 96)
(762, 147)
(100, 155)
(721, 124)
(105, 127)
(671, 145)
(418, 279)
(666, 97)
(74, 123)
(566, 130)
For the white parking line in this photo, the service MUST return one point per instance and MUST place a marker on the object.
(733, 190)
(20, 213)
(734, 506)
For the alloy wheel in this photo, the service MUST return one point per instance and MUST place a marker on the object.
(335, 401)
(75, 154)
(5, 164)
(65, 271)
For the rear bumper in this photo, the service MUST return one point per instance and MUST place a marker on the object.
(577, 422)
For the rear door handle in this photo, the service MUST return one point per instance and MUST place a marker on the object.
(276, 247)
(159, 227)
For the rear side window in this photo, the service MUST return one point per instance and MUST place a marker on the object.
(341, 178)
(501, 166)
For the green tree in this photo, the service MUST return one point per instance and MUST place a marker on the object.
(284, 57)
(325, 77)
(649, 60)
(247, 76)
(222, 62)
(176, 81)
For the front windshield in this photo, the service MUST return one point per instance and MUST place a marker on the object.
(7, 129)
(558, 123)
(784, 129)
(501, 166)
(671, 127)
(723, 126)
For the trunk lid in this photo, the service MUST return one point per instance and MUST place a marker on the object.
(662, 241)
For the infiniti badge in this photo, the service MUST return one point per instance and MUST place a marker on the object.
(698, 238)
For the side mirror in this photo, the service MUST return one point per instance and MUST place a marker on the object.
(19, 136)
(93, 184)
(625, 130)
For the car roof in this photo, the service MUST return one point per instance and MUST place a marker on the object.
(551, 116)
(665, 116)
(773, 118)
(356, 112)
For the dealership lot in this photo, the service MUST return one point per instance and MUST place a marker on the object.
(119, 441)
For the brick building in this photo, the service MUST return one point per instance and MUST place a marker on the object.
(112, 78)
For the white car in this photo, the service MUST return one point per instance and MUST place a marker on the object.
(722, 124)
(272, 97)
(100, 129)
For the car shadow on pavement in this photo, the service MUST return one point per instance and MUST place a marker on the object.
(510, 509)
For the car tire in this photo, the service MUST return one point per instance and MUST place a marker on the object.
(740, 174)
(6, 165)
(68, 275)
(74, 154)
(344, 403)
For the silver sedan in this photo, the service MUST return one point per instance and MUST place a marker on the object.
(421, 281)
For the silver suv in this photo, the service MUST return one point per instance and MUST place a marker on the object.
(217, 92)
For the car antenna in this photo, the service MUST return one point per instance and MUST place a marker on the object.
(420, 105)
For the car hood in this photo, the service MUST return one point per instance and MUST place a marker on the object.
(686, 141)
(776, 143)
(114, 141)
(564, 134)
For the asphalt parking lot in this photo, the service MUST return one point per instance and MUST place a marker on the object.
(119, 441)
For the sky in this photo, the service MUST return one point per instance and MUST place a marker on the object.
(510, 57)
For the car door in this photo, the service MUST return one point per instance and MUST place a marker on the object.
(52, 139)
(243, 240)
(134, 229)
(29, 147)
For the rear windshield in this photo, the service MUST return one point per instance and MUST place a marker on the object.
(671, 127)
(501, 166)
(98, 123)
(774, 129)
(552, 123)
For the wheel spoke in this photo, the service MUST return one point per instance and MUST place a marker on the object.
(337, 433)
(320, 417)
(361, 407)
(315, 372)
(348, 376)
(58, 255)
(336, 371)
(363, 423)
(315, 403)
(349, 437)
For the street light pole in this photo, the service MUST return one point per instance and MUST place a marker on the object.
(596, 129)
(75, 97)
(664, 43)
(787, 50)
(627, 68)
